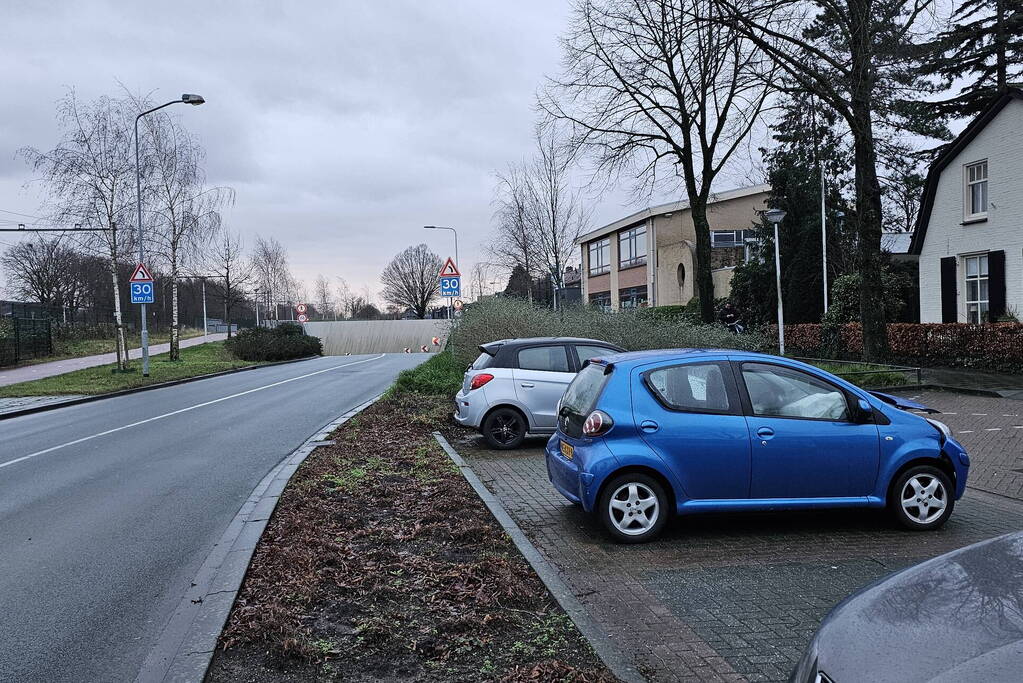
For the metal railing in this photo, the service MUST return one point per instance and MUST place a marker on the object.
(867, 368)
(24, 338)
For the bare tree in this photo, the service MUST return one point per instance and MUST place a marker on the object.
(90, 179)
(410, 279)
(556, 208)
(658, 88)
(272, 274)
(515, 244)
(234, 274)
(322, 295)
(182, 211)
(44, 270)
(853, 55)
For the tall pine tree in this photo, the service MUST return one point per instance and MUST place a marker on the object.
(984, 45)
(809, 137)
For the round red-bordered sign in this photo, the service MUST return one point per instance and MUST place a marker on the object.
(301, 308)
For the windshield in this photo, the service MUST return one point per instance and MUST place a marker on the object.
(581, 396)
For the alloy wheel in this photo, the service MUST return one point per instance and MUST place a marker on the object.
(505, 428)
(633, 508)
(924, 498)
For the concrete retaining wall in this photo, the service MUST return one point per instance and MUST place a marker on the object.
(377, 336)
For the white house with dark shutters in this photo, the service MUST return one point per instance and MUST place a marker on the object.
(969, 234)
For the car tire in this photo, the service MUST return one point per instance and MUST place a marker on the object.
(504, 428)
(633, 507)
(916, 495)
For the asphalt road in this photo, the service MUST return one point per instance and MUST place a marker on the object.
(107, 509)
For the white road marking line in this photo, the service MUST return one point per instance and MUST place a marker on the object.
(950, 413)
(182, 410)
(1017, 426)
(966, 431)
(993, 429)
(978, 414)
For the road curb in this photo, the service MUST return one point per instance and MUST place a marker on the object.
(135, 390)
(183, 650)
(609, 654)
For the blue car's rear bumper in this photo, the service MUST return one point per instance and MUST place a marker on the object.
(569, 477)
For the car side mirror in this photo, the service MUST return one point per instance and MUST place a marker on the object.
(864, 412)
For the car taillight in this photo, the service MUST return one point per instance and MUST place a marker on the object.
(480, 379)
(597, 424)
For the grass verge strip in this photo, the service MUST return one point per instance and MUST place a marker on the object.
(203, 359)
(381, 562)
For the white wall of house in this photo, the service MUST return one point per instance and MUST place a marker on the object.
(950, 233)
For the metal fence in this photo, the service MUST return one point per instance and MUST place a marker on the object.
(24, 338)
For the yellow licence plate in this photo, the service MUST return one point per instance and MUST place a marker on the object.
(567, 450)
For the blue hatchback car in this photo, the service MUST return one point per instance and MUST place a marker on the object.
(648, 434)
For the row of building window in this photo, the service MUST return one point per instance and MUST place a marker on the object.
(630, 297)
(631, 251)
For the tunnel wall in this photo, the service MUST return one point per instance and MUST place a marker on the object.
(377, 336)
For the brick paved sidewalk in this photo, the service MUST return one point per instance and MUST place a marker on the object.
(737, 597)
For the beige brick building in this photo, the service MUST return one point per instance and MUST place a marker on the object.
(649, 257)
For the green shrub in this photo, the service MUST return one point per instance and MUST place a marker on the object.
(509, 318)
(439, 375)
(280, 343)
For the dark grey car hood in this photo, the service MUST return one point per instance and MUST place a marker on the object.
(958, 617)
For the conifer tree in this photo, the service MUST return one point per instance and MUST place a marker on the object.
(984, 45)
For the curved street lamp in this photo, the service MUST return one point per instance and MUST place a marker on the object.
(187, 98)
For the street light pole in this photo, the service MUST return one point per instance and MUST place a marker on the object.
(442, 227)
(185, 99)
(205, 324)
(776, 216)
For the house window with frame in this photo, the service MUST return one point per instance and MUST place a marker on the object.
(730, 238)
(632, 247)
(632, 297)
(601, 301)
(975, 176)
(976, 288)
(600, 256)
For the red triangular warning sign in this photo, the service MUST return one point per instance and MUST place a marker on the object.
(141, 274)
(449, 269)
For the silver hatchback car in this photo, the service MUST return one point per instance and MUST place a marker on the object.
(513, 388)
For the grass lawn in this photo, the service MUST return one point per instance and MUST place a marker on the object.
(79, 348)
(195, 360)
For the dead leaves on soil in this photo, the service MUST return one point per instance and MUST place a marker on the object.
(381, 560)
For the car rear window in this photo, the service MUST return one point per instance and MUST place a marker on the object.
(580, 397)
(483, 361)
(546, 358)
(585, 352)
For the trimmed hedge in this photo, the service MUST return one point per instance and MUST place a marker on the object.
(997, 346)
(287, 341)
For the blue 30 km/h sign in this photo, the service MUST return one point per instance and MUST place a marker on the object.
(142, 292)
(451, 286)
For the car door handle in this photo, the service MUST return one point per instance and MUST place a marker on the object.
(649, 426)
(528, 385)
(765, 432)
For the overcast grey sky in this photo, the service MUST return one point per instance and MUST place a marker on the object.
(343, 126)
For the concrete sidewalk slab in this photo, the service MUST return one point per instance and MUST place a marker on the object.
(28, 373)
